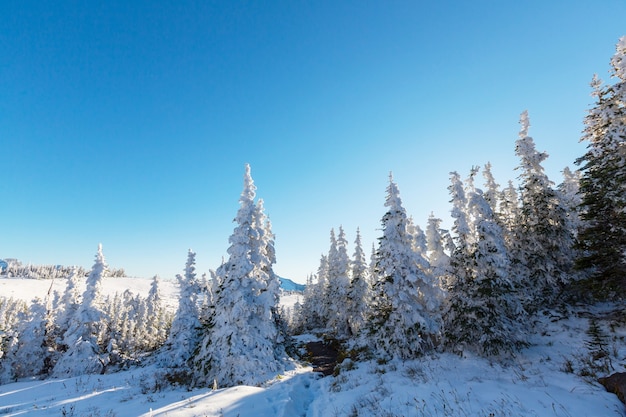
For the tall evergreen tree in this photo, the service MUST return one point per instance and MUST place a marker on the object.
(545, 255)
(185, 331)
(571, 197)
(11, 313)
(461, 264)
(602, 239)
(404, 322)
(338, 285)
(359, 293)
(242, 344)
(31, 353)
(418, 235)
(153, 318)
(483, 311)
(315, 297)
(491, 188)
(68, 306)
(509, 214)
(438, 259)
(85, 338)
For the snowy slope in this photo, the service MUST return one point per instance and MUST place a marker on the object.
(543, 380)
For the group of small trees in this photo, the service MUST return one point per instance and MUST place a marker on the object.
(226, 330)
(16, 269)
(512, 252)
(80, 331)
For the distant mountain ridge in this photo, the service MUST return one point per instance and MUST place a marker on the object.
(288, 285)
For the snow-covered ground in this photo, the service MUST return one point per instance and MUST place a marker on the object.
(544, 380)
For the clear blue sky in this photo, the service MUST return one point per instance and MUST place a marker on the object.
(129, 122)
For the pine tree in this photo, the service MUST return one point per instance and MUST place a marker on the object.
(404, 323)
(68, 306)
(602, 239)
(338, 285)
(85, 336)
(154, 317)
(359, 293)
(461, 263)
(31, 352)
(491, 188)
(185, 331)
(438, 259)
(242, 341)
(545, 256)
(571, 198)
(509, 214)
(318, 296)
(419, 237)
(11, 314)
(483, 311)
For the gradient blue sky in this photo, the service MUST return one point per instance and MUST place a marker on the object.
(129, 122)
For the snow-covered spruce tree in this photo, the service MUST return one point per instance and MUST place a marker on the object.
(338, 286)
(185, 332)
(545, 254)
(419, 237)
(491, 188)
(483, 311)
(461, 263)
(328, 306)
(270, 295)
(85, 338)
(314, 309)
(404, 322)
(241, 344)
(359, 293)
(154, 317)
(507, 217)
(602, 239)
(12, 314)
(438, 259)
(31, 353)
(571, 198)
(68, 306)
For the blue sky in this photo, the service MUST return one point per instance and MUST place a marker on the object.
(129, 123)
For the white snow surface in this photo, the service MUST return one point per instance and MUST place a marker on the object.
(533, 384)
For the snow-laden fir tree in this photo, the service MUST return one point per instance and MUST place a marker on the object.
(492, 190)
(436, 242)
(154, 317)
(31, 353)
(241, 344)
(265, 259)
(185, 332)
(483, 312)
(602, 239)
(11, 313)
(328, 301)
(359, 294)
(404, 322)
(461, 263)
(316, 297)
(571, 198)
(85, 338)
(545, 254)
(338, 285)
(508, 215)
(68, 306)
(419, 237)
